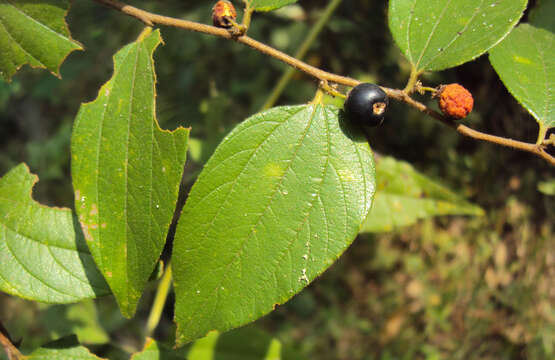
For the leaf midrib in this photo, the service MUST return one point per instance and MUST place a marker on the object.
(457, 36)
(317, 197)
(224, 202)
(126, 177)
(274, 192)
(10, 3)
(29, 55)
(462, 204)
(431, 34)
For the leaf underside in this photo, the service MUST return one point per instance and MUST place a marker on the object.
(43, 256)
(34, 33)
(525, 62)
(281, 198)
(439, 34)
(126, 173)
(404, 196)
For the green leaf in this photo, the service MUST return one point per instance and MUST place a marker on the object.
(43, 256)
(35, 33)
(439, 34)
(525, 62)
(269, 5)
(246, 343)
(277, 203)
(403, 196)
(63, 349)
(543, 15)
(196, 147)
(547, 187)
(126, 173)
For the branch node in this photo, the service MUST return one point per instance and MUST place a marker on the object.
(549, 141)
(147, 22)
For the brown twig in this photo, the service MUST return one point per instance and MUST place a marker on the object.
(9, 348)
(538, 150)
(150, 19)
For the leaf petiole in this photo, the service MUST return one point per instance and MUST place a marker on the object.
(324, 85)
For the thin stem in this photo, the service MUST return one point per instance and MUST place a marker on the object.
(541, 134)
(519, 145)
(247, 15)
(330, 90)
(400, 95)
(159, 300)
(301, 52)
(475, 134)
(151, 19)
(426, 88)
(11, 351)
(413, 78)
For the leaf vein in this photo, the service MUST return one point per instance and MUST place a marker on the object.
(458, 34)
(423, 51)
(37, 22)
(28, 271)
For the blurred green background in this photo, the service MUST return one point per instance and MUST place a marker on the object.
(447, 288)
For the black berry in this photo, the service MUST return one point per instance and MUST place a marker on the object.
(366, 104)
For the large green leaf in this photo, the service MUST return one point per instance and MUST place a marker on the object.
(126, 173)
(543, 15)
(64, 349)
(33, 32)
(403, 196)
(281, 198)
(438, 34)
(43, 256)
(269, 5)
(525, 62)
(247, 343)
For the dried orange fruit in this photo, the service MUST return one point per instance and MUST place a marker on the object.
(455, 101)
(223, 14)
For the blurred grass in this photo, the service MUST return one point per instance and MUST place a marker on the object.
(449, 288)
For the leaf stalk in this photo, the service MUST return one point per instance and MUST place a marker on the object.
(159, 301)
(11, 351)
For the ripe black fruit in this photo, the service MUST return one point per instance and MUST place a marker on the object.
(366, 104)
